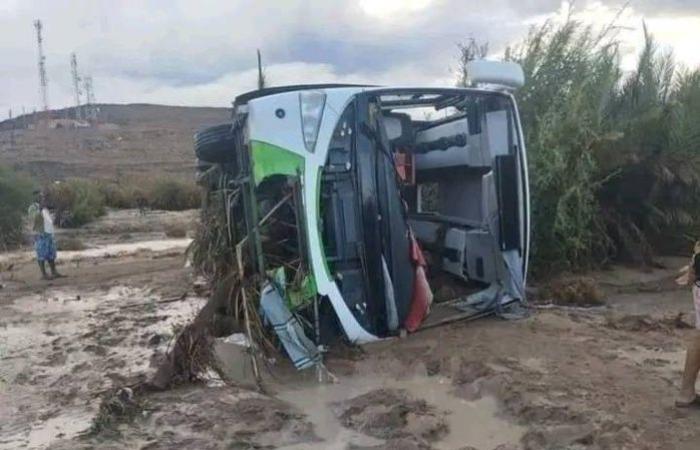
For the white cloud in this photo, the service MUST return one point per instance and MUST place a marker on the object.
(675, 33)
(679, 34)
(203, 52)
(392, 9)
(222, 91)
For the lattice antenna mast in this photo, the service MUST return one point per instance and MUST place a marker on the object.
(89, 97)
(43, 80)
(76, 84)
(89, 93)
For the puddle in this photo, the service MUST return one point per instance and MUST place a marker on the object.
(471, 423)
(105, 251)
(59, 350)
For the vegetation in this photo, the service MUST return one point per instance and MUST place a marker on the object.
(121, 195)
(70, 244)
(572, 291)
(571, 74)
(119, 405)
(79, 201)
(176, 230)
(75, 202)
(173, 195)
(163, 193)
(15, 198)
(211, 250)
(613, 157)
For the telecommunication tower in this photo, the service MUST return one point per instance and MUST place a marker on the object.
(43, 80)
(76, 84)
(91, 109)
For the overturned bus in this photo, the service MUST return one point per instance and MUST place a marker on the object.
(374, 210)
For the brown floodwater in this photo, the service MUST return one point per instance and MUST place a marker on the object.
(470, 423)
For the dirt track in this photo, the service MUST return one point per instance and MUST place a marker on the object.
(562, 378)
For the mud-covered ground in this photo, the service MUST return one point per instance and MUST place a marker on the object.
(563, 378)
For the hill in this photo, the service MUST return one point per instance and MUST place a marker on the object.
(125, 141)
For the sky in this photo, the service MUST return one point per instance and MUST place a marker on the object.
(202, 53)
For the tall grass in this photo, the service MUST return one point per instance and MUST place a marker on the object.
(572, 73)
(614, 156)
(15, 197)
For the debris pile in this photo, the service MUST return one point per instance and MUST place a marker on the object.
(572, 291)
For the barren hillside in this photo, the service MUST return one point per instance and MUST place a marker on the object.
(127, 140)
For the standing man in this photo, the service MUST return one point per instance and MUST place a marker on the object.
(687, 396)
(44, 244)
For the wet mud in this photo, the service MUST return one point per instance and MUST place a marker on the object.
(62, 349)
(73, 351)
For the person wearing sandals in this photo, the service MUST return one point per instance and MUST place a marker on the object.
(44, 244)
(691, 276)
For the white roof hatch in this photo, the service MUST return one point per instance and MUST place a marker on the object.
(503, 73)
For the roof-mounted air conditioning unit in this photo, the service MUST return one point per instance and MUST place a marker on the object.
(502, 73)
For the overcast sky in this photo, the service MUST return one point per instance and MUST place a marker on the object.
(203, 52)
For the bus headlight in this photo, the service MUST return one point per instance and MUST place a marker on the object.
(311, 109)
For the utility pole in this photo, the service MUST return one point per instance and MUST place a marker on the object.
(261, 74)
(76, 84)
(43, 80)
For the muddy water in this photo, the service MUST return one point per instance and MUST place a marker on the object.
(113, 250)
(471, 423)
(104, 251)
(60, 349)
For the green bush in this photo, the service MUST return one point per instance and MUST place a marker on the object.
(118, 195)
(15, 198)
(164, 193)
(173, 195)
(75, 202)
